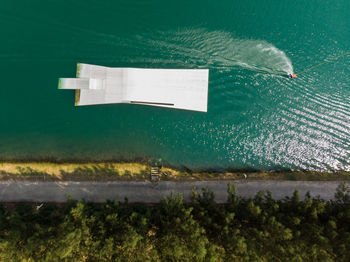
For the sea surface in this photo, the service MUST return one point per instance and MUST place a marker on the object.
(257, 118)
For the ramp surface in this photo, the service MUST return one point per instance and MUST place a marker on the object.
(173, 88)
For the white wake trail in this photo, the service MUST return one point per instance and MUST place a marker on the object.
(199, 47)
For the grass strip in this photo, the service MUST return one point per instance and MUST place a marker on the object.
(111, 171)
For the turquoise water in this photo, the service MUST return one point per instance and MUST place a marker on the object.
(256, 119)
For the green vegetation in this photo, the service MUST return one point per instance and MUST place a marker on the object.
(74, 171)
(258, 229)
(102, 171)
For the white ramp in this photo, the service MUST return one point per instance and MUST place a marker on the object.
(173, 88)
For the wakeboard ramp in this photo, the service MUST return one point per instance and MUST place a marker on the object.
(173, 88)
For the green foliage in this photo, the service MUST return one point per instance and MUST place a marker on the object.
(342, 194)
(258, 229)
(179, 236)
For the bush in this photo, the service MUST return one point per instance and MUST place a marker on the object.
(258, 229)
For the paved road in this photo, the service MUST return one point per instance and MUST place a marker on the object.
(13, 191)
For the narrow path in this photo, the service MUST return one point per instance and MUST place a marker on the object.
(13, 191)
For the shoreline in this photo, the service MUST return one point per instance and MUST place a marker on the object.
(140, 171)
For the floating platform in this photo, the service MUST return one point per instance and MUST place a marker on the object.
(173, 88)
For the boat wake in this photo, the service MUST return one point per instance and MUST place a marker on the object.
(216, 49)
(186, 48)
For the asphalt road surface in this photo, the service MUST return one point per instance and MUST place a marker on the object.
(147, 192)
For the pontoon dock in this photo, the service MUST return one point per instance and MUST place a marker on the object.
(173, 88)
